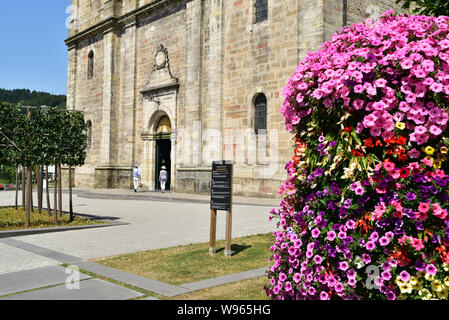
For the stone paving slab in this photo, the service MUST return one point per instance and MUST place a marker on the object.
(209, 283)
(33, 279)
(92, 289)
(48, 253)
(13, 259)
(155, 286)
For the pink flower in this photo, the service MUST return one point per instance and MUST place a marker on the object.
(436, 131)
(384, 241)
(417, 244)
(370, 246)
(423, 207)
(331, 235)
(317, 259)
(413, 153)
(407, 64)
(315, 233)
(324, 296)
(431, 269)
(405, 276)
(436, 87)
(420, 130)
(389, 166)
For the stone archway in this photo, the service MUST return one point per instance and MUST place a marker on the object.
(159, 111)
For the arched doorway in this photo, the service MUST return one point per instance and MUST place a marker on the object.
(163, 151)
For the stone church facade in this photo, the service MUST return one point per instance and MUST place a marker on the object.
(179, 83)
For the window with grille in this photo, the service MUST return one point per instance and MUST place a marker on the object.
(90, 65)
(89, 134)
(261, 10)
(260, 115)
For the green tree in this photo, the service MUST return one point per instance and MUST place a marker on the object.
(426, 7)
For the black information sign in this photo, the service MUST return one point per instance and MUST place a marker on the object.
(221, 186)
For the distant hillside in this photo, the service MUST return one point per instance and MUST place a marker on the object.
(26, 97)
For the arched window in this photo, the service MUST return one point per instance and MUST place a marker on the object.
(89, 134)
(260, 113)
(90, 65)
(164, 125)
(261, 10)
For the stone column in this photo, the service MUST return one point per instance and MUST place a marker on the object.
(334, 17)
(173, 157)
(212, 84)
(147, 165)
(311, 26)
(108, 73)
(71, 77)
(192, 100)
(127, 126)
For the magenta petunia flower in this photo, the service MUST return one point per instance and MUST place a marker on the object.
(405, 276)
(331, 235)
(324, 295)
(316, 233)
(431, 269)
(318, 259)
(384, 241)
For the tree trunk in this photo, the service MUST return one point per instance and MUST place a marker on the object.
(17, 188)
(39, 189)
(70, 194)
(28, 198)
(55, 178)
(30, 174)
(23, 187)
(59, 191)
(47, 191)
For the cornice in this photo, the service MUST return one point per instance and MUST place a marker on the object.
(125, 21)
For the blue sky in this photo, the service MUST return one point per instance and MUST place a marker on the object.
(33, 54)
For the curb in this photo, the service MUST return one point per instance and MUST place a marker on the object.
(93, 195)
(26, 232)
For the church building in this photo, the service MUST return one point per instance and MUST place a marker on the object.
(181, 83)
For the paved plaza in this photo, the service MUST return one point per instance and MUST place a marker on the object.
(145, 221)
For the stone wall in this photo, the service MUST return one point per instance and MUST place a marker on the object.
(221, 59)
(360, 10)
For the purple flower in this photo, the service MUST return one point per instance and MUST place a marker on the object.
(410, 196)
(390, 295)
(420, 266)
(318, 172)
(315, 233)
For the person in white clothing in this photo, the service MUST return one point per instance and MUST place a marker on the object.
(163, 178)
(136, 176)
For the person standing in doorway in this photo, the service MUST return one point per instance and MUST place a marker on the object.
(136, 176)
(163, 178)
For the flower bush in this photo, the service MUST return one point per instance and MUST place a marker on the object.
(364, 213)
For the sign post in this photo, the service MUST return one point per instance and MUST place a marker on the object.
(221, 199)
